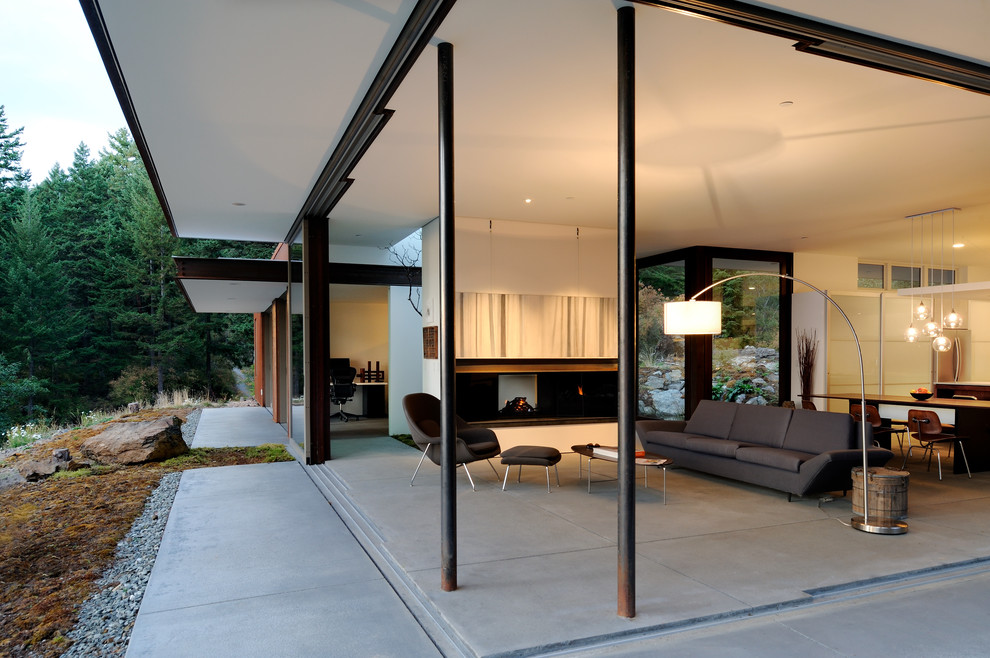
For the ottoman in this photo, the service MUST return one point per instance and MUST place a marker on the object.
(530, 456)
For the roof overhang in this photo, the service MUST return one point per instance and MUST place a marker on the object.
(244, 285)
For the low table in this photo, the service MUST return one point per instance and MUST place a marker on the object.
(611, 454)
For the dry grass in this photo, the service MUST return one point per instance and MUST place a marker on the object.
(58, 536)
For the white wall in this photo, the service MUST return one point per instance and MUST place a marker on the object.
(535, 259)
(359, 332)
(405, 347)
(808, 313)
(431, 300)
(826, 271)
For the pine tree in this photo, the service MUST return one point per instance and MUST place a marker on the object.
(38, 327)
(13, 179)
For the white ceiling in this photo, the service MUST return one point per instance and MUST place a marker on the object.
(242, 101)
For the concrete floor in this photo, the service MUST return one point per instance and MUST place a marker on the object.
(722, 568)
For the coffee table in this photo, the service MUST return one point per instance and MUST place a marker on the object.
(611, 454)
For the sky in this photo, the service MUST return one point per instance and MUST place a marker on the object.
(53, 83)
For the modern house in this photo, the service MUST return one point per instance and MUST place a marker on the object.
(792, 137)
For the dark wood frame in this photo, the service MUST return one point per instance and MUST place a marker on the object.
(698, 349)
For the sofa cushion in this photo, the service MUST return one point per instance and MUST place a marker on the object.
(712, 418)
(787, 460)
(719, 447)
(664, 438)
(819, 431)
(762, 425)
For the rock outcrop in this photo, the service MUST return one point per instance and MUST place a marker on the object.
(137, 442)
(33, 470)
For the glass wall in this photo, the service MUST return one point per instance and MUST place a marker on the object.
(891, 365)
(746, 355)
(743, 363)
(661, 357)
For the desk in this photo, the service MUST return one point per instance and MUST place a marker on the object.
(972, 419)
(369, 400)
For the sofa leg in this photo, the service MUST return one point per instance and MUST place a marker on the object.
(788, 497)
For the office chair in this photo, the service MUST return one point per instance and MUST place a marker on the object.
(342, 389)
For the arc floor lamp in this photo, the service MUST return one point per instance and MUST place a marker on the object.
(704, 317)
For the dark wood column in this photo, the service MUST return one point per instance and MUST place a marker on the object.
(316, 332)
(448, 428)
(279, 383)
(627, 311)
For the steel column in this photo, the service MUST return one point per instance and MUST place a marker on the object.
(627, 311)
(448, 429)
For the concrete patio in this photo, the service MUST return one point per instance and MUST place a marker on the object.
(721, 568)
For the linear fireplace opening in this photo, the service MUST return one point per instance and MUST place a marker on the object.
(546, 396)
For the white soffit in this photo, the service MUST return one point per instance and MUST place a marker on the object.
(213, 296)
(242, 102)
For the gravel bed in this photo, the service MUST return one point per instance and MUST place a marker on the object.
(107, 617)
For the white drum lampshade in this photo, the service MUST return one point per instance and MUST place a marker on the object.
(692, 317)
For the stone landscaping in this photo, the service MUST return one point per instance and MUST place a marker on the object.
(750, 377)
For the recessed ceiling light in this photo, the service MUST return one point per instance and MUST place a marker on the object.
(959, 245)
(238, 204)
(786, 103)
(527, 201)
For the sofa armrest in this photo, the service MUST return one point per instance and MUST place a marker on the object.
(644, 426)
(832, 470)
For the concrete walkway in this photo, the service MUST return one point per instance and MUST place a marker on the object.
(255, 563)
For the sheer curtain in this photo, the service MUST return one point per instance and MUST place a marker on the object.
(497, 325)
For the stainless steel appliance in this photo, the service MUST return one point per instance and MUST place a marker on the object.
(956, 365)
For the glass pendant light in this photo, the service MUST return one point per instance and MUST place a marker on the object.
(953, 320)
(941, 343)
(911, 334)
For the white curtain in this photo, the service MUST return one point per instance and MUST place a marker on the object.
(495, 325)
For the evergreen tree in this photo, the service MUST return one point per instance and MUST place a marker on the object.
(13, 179)
(38, 327)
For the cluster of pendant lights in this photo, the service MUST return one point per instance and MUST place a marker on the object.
(924, 314)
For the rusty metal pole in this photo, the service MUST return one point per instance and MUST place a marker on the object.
(627, 311)
(448, 429)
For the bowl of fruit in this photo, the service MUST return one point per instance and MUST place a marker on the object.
(921, 393)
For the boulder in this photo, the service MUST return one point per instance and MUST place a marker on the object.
(33, 470)
(136, 443)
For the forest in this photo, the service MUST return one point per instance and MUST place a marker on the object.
(90, 314)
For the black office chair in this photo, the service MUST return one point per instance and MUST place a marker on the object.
(342, 389)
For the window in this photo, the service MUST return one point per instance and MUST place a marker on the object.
(871, 275)
(937, 277)
(904, 277)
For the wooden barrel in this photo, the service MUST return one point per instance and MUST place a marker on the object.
(887, 494)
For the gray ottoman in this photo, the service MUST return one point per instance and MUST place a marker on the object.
(530, 456)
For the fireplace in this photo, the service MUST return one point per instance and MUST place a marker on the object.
(536, 392)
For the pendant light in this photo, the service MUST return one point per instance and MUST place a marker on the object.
(953, 320)
(911, 333)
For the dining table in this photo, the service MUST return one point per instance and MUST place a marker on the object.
(970, 419)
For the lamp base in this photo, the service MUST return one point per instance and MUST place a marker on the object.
(879, 526)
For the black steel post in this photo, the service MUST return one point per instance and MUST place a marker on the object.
(627, 311)
(448, 429)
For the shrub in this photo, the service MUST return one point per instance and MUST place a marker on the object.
(134, 383)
